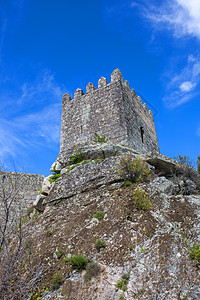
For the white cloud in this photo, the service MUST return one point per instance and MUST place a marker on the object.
(180, 16)
(182, 86)
(187, 86)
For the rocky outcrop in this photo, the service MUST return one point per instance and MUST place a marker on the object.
(152, 246)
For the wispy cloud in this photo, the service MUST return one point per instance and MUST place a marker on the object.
(44, 85)
(35, 117)
(180, 16)
(182, 86)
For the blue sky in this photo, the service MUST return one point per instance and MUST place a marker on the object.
(48, 48)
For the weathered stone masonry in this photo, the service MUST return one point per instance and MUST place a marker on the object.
(113, 111)
(25, 186)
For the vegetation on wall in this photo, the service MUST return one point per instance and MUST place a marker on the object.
(77, 157)
(99, 139)
(133, 169)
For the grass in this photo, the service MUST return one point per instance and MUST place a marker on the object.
(48, 233)
(56, 281)
(100, 244)
(92, 270)
(195, 252)
(141, 199)
(77, 157)
(99, 139)
(99, 215)
(78, 262)
(54, 177)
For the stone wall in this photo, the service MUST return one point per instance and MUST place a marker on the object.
(25, 187)
(112, 111)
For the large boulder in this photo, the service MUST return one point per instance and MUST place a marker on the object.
(164, 164)
(38, 203)
(46, 186)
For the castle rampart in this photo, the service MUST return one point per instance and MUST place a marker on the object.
(113, 111)
(25, 187)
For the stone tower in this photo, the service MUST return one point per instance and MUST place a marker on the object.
(112, 111)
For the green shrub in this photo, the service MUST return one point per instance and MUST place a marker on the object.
(100, 244)
(92, 270)
(54, 177)
(141, 199)
(98, 139)
(195, 252)
(78, 262)
(56, 281)
(65, 259)
(48, 233)
(99, 215)
(122, 284)
(133, 169)
(60, 253)
(77, 157)
(126, 183)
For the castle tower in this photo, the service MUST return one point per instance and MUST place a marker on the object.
(112, 111)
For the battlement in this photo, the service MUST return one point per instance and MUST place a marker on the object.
(112, 110)
(102, 83)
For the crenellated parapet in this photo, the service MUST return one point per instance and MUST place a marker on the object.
(116, 77)
(112, 110)
(90, 88)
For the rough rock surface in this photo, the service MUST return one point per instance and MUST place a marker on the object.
(38, 203)
(46, 185)
(153, 246)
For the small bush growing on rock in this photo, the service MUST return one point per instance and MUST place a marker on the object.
(100, 244)
(98, 139)
(127, 183)
(92, 270)
(48, 233)
(56, 281)
(59, 253)
(99, 215)
(65, 259)
(195, 252)
(188, 168)
(54, 177)
(77, 157)
(184, 160)
(122, 284)
(78, 262)
(141, 199)
(133, 169)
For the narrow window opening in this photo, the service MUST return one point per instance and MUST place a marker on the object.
(81, 129)
(142, 134)
(4, 178)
